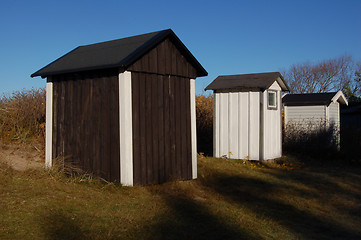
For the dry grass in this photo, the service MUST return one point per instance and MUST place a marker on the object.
(204, 111)
(231, 199)
(22, 116)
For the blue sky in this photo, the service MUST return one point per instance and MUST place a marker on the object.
(227, 37)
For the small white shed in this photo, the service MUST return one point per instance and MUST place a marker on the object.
(313, 110)
(247, 116)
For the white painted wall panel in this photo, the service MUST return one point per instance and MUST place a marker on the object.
(193, 127)
(216, 125)
(233, 124)
(49, 125)
(334, 113)
(306, 117)
(272, 136)
(223, 124)
(125, 129)
(254, 126)
(237, 126)
(243, 133)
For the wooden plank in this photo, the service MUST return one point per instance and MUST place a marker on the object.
(183, 127)
(168, 56)
(174, 60)
(74, 122)
(85, 120)
(107, 125)
(62, 119)
(55, 116)
(153, 61)
(114, 129)
(161, 136)
(68, 119)
(161, 58)
(188, 136)
(149, 128)
(178, 125)
(105, 129)
(136, 128)
(166, 116)
(97, 123)
(155, 125)
(172, 127)
(142, 118)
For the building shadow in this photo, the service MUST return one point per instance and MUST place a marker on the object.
(258, 196)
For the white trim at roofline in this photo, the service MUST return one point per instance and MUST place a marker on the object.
(193, 128)
(125, 129)
(339, 97)
(49, 125)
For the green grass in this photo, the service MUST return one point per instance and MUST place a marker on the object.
(229, 200)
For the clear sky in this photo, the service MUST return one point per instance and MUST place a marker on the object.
(227, 37)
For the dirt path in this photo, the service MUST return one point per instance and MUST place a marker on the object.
(22, 157)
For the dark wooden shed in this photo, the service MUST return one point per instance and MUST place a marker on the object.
(124, 110)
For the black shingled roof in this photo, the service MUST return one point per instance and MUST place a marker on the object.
(255, 80)
(117, 53)
(308, 98)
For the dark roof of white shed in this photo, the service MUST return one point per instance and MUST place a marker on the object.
(116, 53)
(313, 98)
(255, 80)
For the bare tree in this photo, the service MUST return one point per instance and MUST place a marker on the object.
(328, 75)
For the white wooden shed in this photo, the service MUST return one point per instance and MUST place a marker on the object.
(247, 116)
(313, 111)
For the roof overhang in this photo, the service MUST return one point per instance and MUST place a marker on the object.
(339, 97)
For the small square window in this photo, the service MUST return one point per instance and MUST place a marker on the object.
(272, 99)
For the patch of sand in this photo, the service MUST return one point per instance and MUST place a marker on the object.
(22, 157)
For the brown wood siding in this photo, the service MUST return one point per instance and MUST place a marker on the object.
(161, 128)
(86, 122)
(164, 59)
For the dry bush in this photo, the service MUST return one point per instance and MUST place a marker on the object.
(22, 115)
(310, 138)
(204, 108)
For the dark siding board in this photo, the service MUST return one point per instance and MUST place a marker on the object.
(149, 128)
(183, 123)
(55, 121)
(188, 128)
(155, 125)
(114, 138)
(166, 116)
(142, 118)
(178, 133)
(172, 130)
(168, 59)
(161, 127)
(136, 129)
(86, 123)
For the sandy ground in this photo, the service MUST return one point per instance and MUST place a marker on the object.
(22, 157)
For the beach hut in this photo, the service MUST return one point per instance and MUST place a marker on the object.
(124, 110)
(247, 115)
(313, 110)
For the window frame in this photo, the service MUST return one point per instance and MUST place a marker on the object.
(275, 106)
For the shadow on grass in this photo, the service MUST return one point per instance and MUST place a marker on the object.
(256, 195)
(59, 225)
(190, 219)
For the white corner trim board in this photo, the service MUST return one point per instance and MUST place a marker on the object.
(49, 124)
(193, 128)
(125, 128)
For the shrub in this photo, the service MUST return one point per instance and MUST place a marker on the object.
(204, 109)
(312, 139)
(22, 115)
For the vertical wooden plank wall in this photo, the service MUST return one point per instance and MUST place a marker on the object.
(86, 122)
(162, 147)
(162, 129)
